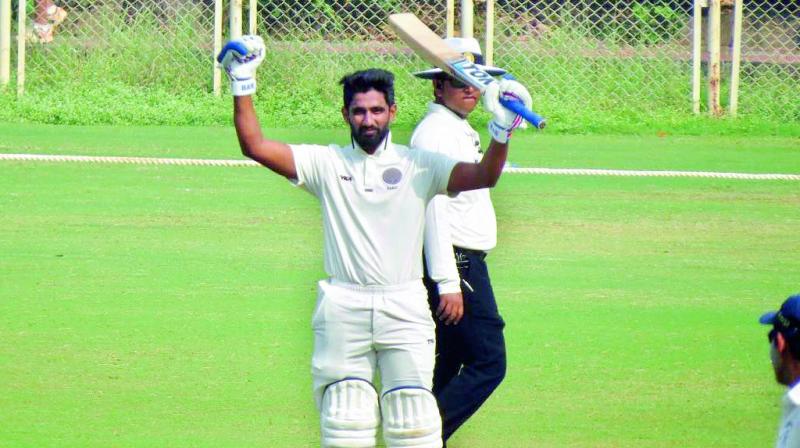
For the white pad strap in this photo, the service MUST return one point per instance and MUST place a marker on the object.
(349, 416)
(411, 418)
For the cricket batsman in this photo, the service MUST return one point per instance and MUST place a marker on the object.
(371, 316)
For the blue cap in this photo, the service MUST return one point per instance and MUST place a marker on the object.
(787, 317)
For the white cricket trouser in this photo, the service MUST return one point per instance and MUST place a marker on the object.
(358, 328)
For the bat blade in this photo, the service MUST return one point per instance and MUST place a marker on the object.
(432, 48)
(435, 51)
(423, 40)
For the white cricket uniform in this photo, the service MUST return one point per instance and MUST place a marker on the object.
(467, 220)
(372, 311)
(789, 430)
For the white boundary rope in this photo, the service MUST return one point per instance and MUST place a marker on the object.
(652, 173)
(510, 170)
(125, 160)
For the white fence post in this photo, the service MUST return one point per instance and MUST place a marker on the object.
(697, 52)
(252, 21)
(489, 46)
(736, 56)
(450, 27)
(5, 42)
(235, 19)
(714, 70)
(217, 72)
(467, 14)
(22, 13)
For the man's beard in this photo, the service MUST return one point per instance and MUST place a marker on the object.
(368, 142)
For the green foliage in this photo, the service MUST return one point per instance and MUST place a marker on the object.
(114, 103)
(129, 77)
(654, 24)
(640, 24)
(30, 7)
(324, 19)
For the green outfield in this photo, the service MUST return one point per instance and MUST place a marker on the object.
(153, 306)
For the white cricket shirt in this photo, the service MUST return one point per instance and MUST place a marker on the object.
(789, 431)
(467, 220)
(373, 207)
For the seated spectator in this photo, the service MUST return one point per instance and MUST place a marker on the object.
(48, 17)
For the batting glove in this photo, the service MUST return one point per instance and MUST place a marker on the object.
(504, 120)
(240, 58)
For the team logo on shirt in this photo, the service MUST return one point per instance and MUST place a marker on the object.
(392, 176)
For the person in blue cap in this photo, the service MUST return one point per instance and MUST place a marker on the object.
(784, 340)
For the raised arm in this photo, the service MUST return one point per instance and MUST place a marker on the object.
(486, 173)
(273, 154)
(240, 58)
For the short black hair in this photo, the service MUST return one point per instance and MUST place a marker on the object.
(794, 345)
(791, 335)
(366, 80)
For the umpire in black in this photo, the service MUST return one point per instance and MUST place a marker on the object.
(470, 355)
(470, 348)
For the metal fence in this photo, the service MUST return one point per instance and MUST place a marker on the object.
(622, 53)
(133, 42)
(581, 58)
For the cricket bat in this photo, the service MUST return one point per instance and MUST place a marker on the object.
(433, 49)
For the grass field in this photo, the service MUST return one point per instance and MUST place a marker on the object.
(151, 306)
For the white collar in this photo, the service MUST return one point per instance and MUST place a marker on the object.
(793, 395)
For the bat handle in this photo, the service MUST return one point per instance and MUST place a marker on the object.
(519, 108)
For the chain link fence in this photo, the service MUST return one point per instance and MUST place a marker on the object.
(598, 57)
(584, 60)
(311, 45)
(771, 59)
(164, 43)
(602, 56)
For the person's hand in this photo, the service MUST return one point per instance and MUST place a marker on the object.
(451, 308)
(240, 58)
(504, 120)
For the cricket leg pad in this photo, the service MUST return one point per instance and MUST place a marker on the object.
(349, 416)
(411, 418)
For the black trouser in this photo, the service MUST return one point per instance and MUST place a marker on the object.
(470, 356)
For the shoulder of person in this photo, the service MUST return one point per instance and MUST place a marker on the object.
(429, 157)
(433, 121)
(407, 151)
(429, 135)
(318, 155)
(414, 153)
(315, 147)
(322, 150)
